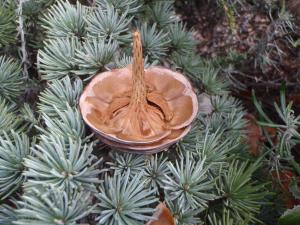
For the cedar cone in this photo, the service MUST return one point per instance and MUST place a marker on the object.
(139, 110)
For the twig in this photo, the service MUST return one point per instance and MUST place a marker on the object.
(91, 2)
(21, 32)
(269, 83)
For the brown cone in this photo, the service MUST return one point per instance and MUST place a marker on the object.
(139, 110)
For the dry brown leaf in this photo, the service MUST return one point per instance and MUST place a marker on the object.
(281, 181)
(272, 132)
(254, 135)
(163, 216)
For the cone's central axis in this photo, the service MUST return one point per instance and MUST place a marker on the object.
(139, 92)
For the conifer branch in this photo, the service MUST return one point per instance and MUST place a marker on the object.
(125, 201)
(184, 214)
(181, 41)
(226, 104)
(122, 6)
(232, 124)
(243, 196)
(57, 59)
(7, 215)
(156, 171)
(59, 95)
(212, 82)
(124, 60)
(21, 31)
(124, 163)
(67, 165)
(67, 124)
(155, 43)
(189, 183)
(8, 119)
(52, 207)
(65, 20)
(29, 117)
(225, 218)
(160, 13)
(215, 148)
(7, 25)
(94, 55)
(11, 80)
(109, 25)
(14, 148)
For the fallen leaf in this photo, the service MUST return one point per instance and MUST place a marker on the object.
(163, 216)
(295, 98)
(283, 178)
(254, 134)
(272, 132)
(282, 181)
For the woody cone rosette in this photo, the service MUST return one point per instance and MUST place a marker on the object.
(139, 110)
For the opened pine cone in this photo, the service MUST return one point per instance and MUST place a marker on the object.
(139, 110)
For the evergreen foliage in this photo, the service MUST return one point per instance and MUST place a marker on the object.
(226, 219)
(233, 123)
(124, 163)
(8, 118)
(287, 131)
(52, 206)
(182, 41)
(95, 55)
(65, 20)
(189, 183)
(57, 59)
(212, 82)
(214, 148)
(60, 95)
(29, 117)
(8, 25)
(109, 25)
(155, 44)
(125, 201)
(204, 179)
(128, 6)
(14, 148)
(67, 124)
(7, 215)
(160, 13)
(66, 165)
(156, 171)
(11, 81)
(183, 214)
(242, 196)
(225, 104)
